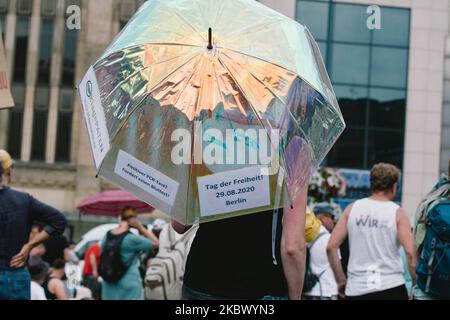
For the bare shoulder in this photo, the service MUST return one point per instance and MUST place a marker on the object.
(401, 214)
(348, 210)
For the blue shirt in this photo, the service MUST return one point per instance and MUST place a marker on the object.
(18, 211)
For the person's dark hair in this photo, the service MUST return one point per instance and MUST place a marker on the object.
(383, 177)
(58, 264)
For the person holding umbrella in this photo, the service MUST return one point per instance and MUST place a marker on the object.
(217, 72)
(232, 259)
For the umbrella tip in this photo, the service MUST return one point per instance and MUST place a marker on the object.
(210, 45)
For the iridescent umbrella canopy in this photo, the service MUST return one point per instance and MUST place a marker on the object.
(210, 109)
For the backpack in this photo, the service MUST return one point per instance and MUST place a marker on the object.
(111, 267)
(311, 279)
(164, 277)
(439, 191)
(433, 268)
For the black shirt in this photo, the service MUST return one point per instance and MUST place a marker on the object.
(18, 211)
(232, 259)
(54, 249)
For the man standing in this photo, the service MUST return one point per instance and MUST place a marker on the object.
(376, 227)
(17, 213)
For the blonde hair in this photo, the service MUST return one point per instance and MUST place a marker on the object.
(128, 213)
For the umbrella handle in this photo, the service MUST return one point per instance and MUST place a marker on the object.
(210, 45)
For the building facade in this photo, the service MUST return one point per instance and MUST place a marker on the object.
(393, 86)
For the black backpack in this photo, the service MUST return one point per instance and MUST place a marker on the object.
(111, 267)
(311, 279)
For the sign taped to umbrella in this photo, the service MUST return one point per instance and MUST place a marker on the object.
(193, 111)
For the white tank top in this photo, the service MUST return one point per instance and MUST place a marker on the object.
(375, 263)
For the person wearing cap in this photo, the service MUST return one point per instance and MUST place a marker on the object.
(18, 211)
(326, 287)
(325, 213)
(38, 270)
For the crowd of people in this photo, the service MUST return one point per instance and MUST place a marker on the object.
(368, 253)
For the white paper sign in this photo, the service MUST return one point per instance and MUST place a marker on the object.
(146, 178)
(233, 191)
(94, 116)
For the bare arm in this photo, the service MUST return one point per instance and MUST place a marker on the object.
(20, 259)
(405, 237)
(338, 236)
(293, 246)
(57, 287)
(94, 266)
(149, 235)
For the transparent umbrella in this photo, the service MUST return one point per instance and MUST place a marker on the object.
(210, 109)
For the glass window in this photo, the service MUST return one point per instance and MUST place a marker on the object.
(349, 150)
(314, 15)
(21, 52)
(385, 146)
(70, 51)
(16, 121)
(395, 26)
(387, 108)
(350, 23)
(353, 104)
(64, 133)
(45, 51)
(40, 118)
(350, 64)
(389, 67)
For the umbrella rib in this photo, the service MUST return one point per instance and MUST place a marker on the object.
(187, 83)
(258, 58)
(189, 24)
(250, 29)
(251, 105)
(143, 69)
(243, 93)
(275, 64)
(267, 87)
